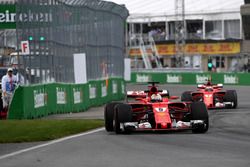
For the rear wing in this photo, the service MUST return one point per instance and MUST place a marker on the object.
(136, 94)
(144, 94)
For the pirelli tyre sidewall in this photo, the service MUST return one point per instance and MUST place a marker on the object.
(109, 116)
(231, 96)
(199, 112)
(123, 113)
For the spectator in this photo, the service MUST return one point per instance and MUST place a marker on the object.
(8, 86)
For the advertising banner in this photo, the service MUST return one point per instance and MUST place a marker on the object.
(194, 49)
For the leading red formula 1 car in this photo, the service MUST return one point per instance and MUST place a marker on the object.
(154, 113)
(213, 95)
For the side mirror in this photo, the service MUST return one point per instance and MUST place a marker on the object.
(200, 86)
(165, 93)
(220, 85)
(130, 92)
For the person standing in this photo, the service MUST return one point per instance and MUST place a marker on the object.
(8, 86)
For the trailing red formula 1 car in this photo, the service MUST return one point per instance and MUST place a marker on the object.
(154, 113)
(213, 95)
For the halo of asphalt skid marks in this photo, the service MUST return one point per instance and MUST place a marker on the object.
(156, 110)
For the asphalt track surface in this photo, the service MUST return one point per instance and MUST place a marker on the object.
(226, 144)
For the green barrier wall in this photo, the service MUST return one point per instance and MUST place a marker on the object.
(191, 78)
(37, 101)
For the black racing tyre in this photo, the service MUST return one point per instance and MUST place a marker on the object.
(199, 112)
(186, 96)
(109, 116)
(231, 96)
(123, 113)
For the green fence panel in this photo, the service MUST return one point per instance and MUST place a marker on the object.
(99, 93)
(78, 99)
(104, 96)
(92, 93)
(243, 79)
(115, 93)
(191, 78)
(16, 110)
(51, 98)
(86, 99)
(109, 89)
(37, 101)
(121, 89)
(63, 98)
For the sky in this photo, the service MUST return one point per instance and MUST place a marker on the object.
(191, 6)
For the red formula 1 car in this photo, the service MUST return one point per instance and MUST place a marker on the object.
(152, 112)
(213, 95)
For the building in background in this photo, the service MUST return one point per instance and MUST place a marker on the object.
(7, 33)
(213, 33)
(245, 13)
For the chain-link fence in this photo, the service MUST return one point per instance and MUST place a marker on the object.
(56, 29)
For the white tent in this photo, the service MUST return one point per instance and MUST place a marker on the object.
(164, 10)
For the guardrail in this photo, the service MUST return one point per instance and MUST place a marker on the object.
(191, 78)
(37, 101)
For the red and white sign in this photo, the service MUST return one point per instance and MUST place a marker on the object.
(25, 47)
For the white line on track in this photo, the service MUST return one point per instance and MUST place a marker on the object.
(50, 143)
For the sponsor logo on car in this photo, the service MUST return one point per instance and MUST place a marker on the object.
(160, 109)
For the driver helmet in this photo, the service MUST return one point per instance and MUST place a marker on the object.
(156, 97)
(209, 89)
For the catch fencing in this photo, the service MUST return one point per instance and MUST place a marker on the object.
(57, 29)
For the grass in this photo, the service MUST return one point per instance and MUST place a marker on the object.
(17, 131)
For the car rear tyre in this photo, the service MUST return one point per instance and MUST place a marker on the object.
(199, 112)
(186, 96)
(109, 116)
(231, 96)
(123, 113)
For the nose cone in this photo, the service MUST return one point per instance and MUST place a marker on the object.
(208, 100)
(164, 125)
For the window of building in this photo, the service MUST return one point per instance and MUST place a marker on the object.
(220, 61)
(232, 29)
(246, 26)
(213, 29)
(194, 29)
(171, 29)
